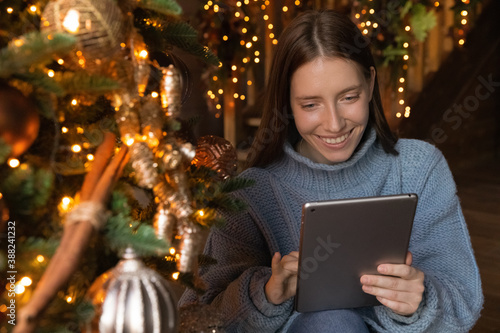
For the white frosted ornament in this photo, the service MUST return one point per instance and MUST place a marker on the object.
(132, 298)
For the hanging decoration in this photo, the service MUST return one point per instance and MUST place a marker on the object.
(132, 298)
(19, 120)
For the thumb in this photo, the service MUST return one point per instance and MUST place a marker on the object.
(409, 258)
(275, 263)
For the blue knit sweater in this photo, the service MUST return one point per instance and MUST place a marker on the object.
(440, 242)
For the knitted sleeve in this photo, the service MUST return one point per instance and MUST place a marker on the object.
(235, 285)
(441, 248)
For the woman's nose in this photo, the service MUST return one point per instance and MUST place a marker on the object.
(334, 121)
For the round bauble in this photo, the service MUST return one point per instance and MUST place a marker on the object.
(98, 25)
(19, 119)
(132, 298)
(217, 154)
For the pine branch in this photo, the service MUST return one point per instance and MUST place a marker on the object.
(122, 231)
(228, 203)
(234, 184)
(185, 37)
(33, 48)
(41, 80)
(82, 82)
(167, 7)
(46, 247)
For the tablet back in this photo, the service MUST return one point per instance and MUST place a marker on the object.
(341, 240)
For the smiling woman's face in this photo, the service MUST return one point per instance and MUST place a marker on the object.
(330, 104)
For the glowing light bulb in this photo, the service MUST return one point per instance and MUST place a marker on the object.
(249, 82)
(13, 162)
(402, 79)
(235, 79)
(26, 281)
(242, 97)
(76, 148)
(90, 157)
(216, 8)
(69, 299)
(407, 28)
(255, 38)
(401, 101)
(464, 13)
(248, 45)
(175, 276)
(464, 21)
(225, 38)
(71, 21)
(19, 289)
(265, 17)
(285, 9)
(220, 91)
(33, 8)
(40, 258)
(405, 45)
(51, 73)
(405, 57)
(10, 10)
(401, 89)
(235, 96)
(256, 60)
(74, 102)
(218, 106)
(143, 54)
(375, 25)
(461, 41)
(171, 250)
(233, 67)
(154, 94)
(64, 130)
(398, 114)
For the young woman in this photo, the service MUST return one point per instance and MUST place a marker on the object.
(324, 136)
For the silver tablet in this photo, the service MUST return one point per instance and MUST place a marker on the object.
(341, 240)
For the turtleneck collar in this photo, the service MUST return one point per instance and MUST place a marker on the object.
(301, 171)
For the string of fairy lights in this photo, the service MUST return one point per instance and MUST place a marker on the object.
(250, 50)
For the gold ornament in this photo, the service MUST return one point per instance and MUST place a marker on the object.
(217, 154)
(98, 25)
(128, 122)
(170, 91)
(132, 298)
(144, 167)
(152, 121)
(19, 120)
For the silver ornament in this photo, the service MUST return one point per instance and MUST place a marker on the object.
(170, 91)
(132, 298)
(164, 223)
(141, 157)
(189, 247)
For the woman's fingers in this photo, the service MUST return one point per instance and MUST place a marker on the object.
(102, 155)
(111, 173)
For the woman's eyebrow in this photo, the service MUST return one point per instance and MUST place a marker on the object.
(343, 91)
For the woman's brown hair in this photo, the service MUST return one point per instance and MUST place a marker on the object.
(312, 34)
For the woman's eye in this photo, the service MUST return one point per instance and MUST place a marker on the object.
(308, 106)
(351, 98)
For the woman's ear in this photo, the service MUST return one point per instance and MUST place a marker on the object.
(373, 74)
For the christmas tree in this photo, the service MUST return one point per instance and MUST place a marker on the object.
(78, 80)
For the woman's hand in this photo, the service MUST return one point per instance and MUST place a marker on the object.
(401, 290)
(282, 284)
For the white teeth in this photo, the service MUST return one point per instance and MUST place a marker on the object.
(337, 140)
